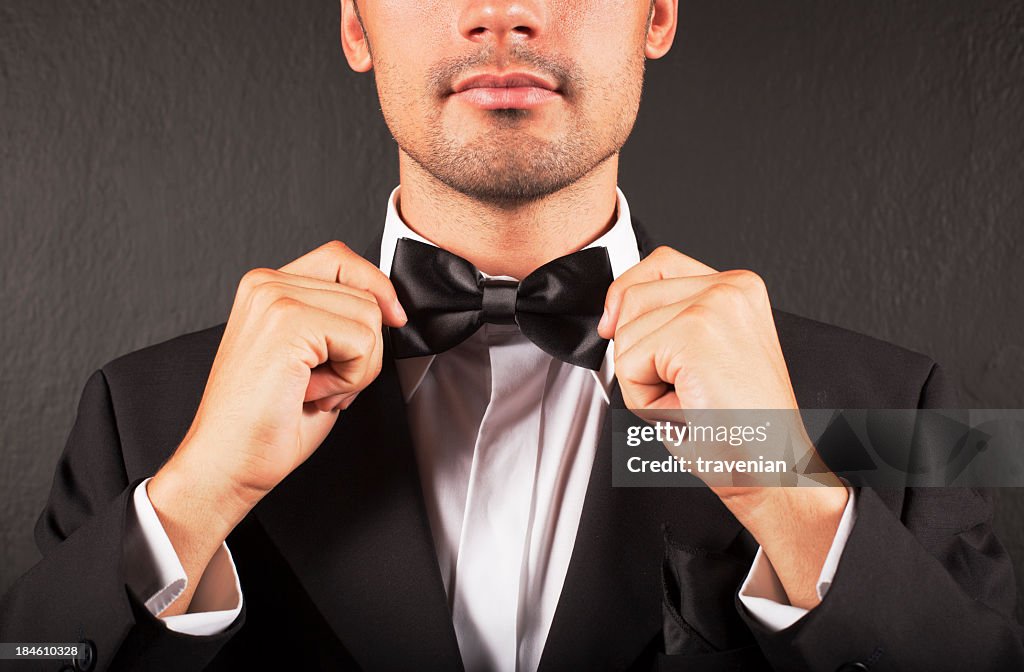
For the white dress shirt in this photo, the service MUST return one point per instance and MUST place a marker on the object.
(505, 437)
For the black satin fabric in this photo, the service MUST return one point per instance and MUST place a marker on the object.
(447, 299)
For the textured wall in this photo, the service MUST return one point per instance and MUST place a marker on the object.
(865, 156)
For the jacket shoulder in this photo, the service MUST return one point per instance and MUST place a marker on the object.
(194, 349)
(155, 392)
(833, 367)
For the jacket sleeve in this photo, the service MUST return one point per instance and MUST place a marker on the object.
(922, 585)
(77, 592)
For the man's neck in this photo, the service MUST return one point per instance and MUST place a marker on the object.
(512, 240)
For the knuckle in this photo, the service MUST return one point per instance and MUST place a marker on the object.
(621, 355)
(254, 278)
(376, 318)
(281, 310)
(624, 340)
(736, 299)
(378, 365)
(335, 247)
(725, 292)
(749, 280)
(630, 304)
(697, 316)
(364, 338)
(663, 251)
(626, 363)
(364, 310)
(265, 295)
(369, 315)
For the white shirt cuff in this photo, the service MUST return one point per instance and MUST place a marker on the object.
(154, 574)
(762, 593)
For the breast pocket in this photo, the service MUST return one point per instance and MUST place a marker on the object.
(699, 615)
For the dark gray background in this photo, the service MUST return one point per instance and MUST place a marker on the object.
(865, 156)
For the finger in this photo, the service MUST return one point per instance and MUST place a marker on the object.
(330, 384)
(345, 401)
(647, 370)
(360, 306)
(351, 348)
(630, 333)
(304, 307)
(660, 264)
(258, 277)
(335, 262)
(644, 297)
(340, 379)
(328, 404)
(365, 366)
(336, 402)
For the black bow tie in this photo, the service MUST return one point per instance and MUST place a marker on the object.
(447, 299)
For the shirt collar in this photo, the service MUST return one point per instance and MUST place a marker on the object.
(623, 253)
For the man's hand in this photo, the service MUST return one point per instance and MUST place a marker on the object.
(688, 337)
(300, 344)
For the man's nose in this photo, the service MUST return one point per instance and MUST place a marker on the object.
(501, 20)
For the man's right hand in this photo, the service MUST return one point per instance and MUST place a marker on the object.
(301, 343)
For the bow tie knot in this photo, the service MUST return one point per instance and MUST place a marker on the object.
(498, 300)
(447, 299)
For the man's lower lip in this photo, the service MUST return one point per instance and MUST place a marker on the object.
(505, 98)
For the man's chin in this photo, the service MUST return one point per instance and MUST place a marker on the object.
(505, 169)
(504, 190)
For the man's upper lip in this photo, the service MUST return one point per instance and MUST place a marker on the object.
(503, 80)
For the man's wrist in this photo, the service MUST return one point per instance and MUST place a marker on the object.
(795, 527)
(197, 499)
(773, 512)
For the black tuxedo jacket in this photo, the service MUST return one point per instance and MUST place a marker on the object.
(338, 569)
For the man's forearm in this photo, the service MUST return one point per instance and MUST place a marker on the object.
(795, 527)
(197, 515)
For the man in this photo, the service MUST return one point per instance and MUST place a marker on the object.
(398, 459)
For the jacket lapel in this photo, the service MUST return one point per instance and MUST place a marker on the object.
(609, 614)
(610, 609)
(352, 523)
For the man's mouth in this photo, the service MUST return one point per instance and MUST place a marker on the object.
(505, 91)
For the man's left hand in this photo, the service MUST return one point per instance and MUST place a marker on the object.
(687, 336)
(690, 337)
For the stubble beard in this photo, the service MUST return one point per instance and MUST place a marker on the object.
(507, 166)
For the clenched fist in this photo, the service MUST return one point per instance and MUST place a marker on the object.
(687, 336)
(300, 344)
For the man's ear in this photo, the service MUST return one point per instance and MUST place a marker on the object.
(354, 42)
(661, 30)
